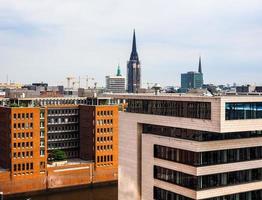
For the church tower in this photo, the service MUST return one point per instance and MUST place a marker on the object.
(133, 69)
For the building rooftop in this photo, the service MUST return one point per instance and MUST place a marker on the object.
(181, 96)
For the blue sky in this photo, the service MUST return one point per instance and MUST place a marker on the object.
(52, 39)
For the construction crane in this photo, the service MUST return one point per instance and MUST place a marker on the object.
(69, 79)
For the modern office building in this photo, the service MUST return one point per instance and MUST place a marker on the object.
(190, 147)
(133, 70)
(116, 84)
(63, 129)
(192, 80)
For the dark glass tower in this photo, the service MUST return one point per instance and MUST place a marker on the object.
(133, 70)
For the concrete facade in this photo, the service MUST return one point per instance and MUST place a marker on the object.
(136, 149)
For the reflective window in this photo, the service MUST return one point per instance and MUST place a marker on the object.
(188, 109)
(197, 135)
(236, 111)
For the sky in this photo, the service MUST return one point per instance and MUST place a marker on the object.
(49, 40)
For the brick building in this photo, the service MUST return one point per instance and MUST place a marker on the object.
(30, 133)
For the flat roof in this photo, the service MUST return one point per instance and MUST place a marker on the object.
(183, 96)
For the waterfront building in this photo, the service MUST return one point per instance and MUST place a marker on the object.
(190, 147)
(192, 80)
(32, 128)
(23, 141)
(133, 70)
(116, 84)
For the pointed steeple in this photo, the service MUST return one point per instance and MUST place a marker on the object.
(118, 73)
(134, 55)
(200, 66)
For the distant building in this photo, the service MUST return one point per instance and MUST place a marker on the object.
(133, 70)
(116, 84)
(192, 80)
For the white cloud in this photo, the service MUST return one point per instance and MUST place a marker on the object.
(51, 39)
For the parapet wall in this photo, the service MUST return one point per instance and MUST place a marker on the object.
(56, 177)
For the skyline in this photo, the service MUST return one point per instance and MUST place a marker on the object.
(85, 38)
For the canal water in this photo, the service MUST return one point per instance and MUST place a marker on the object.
(96, 193)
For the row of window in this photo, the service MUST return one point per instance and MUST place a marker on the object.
(207, 181)
(250, 110)
(209, 157)
(105, 158)
(63, 136)
(161, 194)
(63, 112)
(23, 125)
(104, 147)
(199, 110)
(104, 121)
(23, 135)
(196, 135)
(104, 130)
(23, 154)
(23, 144)
(105, 113)
(62, 128)
(63, 145)
(62, 120)
(23, 166)
(105, 139)
(44, 102)
(23, 116)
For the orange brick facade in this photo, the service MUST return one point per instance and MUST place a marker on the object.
(99, 140)
(24, 144)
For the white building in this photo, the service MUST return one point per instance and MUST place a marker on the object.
(116, 84)
(190, 148)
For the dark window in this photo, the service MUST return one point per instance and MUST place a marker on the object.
(197, 135)
(209, 157)
(207, 181)
(161, 194)
(236, 111)
(187, 109)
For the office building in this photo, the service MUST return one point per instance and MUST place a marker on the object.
(133, 70)
(116, 84)
(99, 140)
(192, 80)
(190, 147)
(23, 141)
(32, 129)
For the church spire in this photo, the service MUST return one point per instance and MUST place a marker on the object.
(118, 71)
(200, 66)
(134, 55)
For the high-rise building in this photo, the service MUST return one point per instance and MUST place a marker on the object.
(192, 80)
(133, 69)
(190, 148)
(116, 84)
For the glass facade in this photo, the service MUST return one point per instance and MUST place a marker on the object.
(207, 181)
(209, 157)
(236, 111)
(187, 109)
(161, 194)
(197, 135)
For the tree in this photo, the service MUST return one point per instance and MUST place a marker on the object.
(58, 155)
